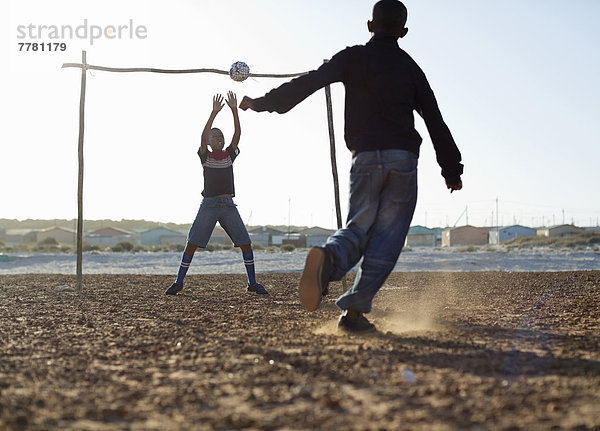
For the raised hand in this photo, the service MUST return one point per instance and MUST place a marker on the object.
(231, 100)
(217, 103)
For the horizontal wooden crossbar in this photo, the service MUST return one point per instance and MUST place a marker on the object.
(154, 70)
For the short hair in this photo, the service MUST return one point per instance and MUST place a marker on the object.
(216, 130)
(389, 15)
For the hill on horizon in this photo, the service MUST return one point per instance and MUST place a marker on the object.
(126, 224)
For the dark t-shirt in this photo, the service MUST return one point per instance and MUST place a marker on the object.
(218, 172)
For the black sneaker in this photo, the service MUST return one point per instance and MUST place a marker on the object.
(315, 277)
(257, 288)
(175, 287)
(354, 322)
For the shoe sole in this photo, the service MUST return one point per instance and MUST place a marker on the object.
(353, 331)
(308, 290)
(257, 292)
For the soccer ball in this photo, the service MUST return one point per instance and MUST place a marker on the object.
(239, 71)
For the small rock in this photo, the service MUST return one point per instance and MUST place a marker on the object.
(409, 376)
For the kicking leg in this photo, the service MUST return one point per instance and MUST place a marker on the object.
(397, 204)
(344, 248)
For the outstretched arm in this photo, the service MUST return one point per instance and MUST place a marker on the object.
(288, 95)
(217, 106)
(232, 103)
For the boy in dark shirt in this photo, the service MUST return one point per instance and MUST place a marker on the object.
(383, 87)
(217, 204)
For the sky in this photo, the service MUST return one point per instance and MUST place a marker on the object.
(517, 83)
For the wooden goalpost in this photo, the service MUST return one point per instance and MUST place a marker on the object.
(84, 66)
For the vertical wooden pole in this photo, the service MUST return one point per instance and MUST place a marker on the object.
(80, 175)
(336, 183)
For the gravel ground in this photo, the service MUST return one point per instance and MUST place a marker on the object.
(464, 351)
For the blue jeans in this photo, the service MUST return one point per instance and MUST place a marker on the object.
(224, 211)
(383, 196)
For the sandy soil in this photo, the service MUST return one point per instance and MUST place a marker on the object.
(472, 351)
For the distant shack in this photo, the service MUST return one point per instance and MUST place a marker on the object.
(464, 235)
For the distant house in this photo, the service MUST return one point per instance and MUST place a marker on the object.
(437, 231)
(62, 235)
(263, 235)
(502, 234)
(110, 236)
(295, 239)
(560, 230)
(20, 236)
(219, 236)
(420, 236)
(464, 235)
(316, 236)
(278, 239)
(592, 228)
(284, 238)
(162, 236)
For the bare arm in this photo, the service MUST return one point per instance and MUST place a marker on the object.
(217, 106)
(232, 103)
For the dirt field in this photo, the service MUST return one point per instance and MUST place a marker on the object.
(468, 351)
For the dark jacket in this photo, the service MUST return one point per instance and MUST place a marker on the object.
(384, 86)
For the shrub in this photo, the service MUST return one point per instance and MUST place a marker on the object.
(117, 248)
(90, 247)
(465, 249)
(44, 248)
(287, 247)
(258, 246)
(48, 241)
(593, 238)
(218, 247)
(122, 246)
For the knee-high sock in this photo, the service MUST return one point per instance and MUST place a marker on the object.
(183, 268)
(249, 263)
